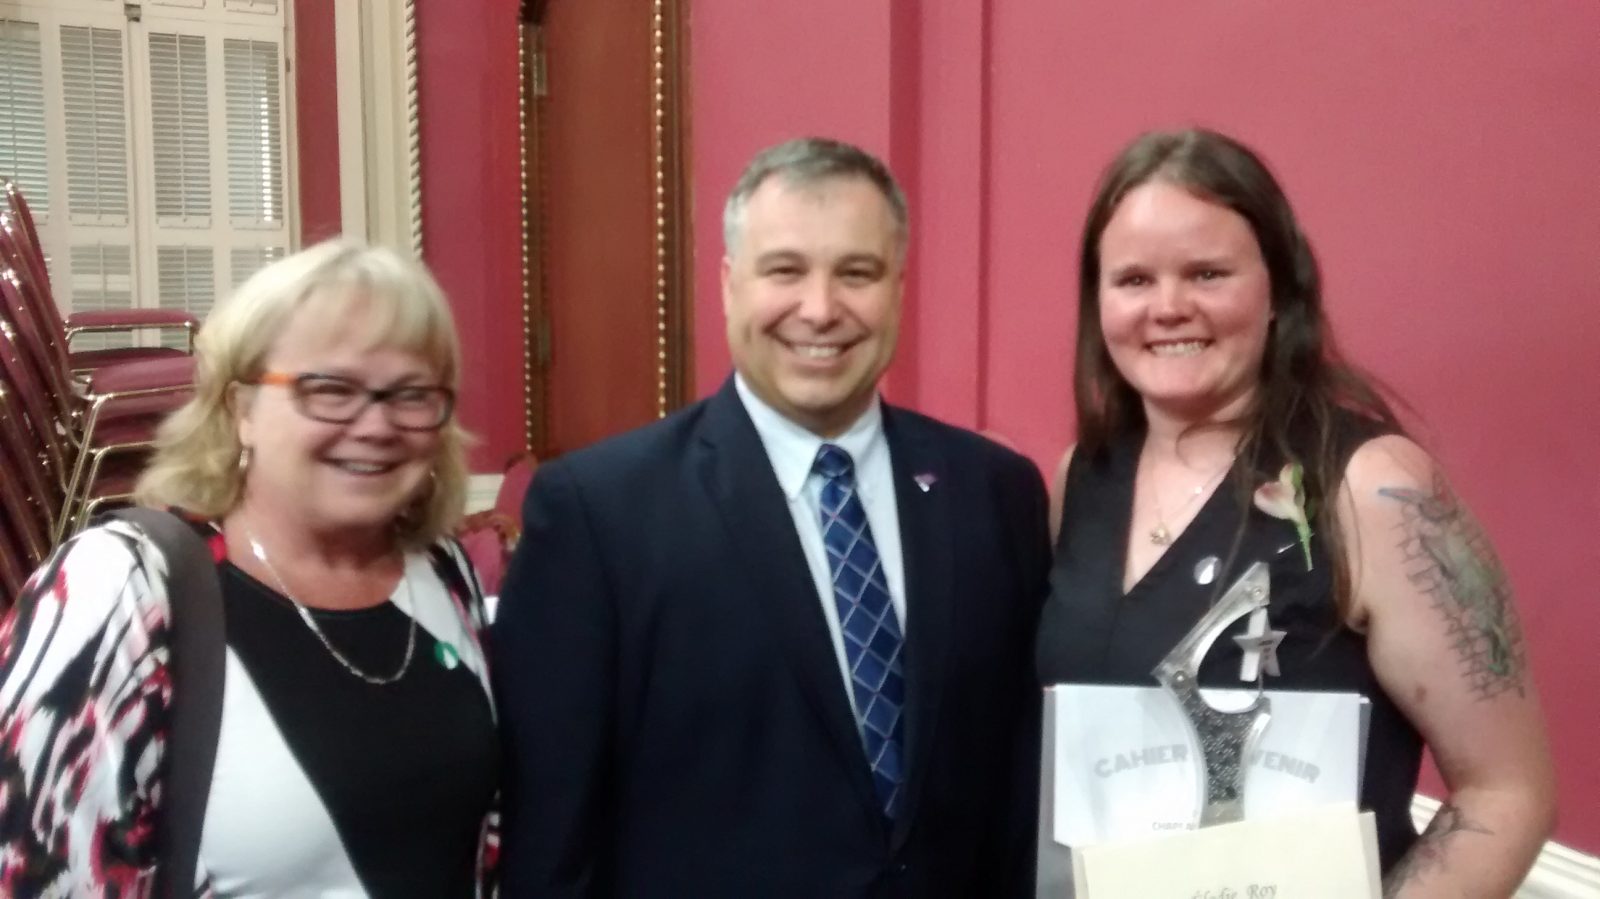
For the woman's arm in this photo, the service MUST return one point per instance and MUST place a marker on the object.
(1445, 642)
(83, 700)
(1058, 492)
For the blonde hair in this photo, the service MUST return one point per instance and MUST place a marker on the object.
(196, 460)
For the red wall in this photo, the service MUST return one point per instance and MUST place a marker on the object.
(316, 100)
(1438, 160)
(472, 206)
(471, 187)
(1441, 162)
(749, 88)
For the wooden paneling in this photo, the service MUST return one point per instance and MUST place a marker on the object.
(606, 269)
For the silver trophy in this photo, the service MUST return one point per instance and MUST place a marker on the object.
(1132, 864)
(1225, 739)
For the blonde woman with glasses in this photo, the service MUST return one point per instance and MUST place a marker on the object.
(320, 460)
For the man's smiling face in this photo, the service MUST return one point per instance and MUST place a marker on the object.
(812, 297)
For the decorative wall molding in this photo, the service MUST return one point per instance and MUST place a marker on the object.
(348, 87)
(481, 491)
(380, 160)
(530, 62)
(541, 109)
(669, 128)
(1561, 872)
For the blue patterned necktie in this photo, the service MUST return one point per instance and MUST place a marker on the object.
(872, 642)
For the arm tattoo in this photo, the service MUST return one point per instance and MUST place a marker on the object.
(1427, 854)
(1448, 558)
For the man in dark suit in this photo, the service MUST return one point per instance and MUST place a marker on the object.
(779, 643)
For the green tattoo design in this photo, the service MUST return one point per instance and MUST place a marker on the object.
(1427, 854)
(1448, 557)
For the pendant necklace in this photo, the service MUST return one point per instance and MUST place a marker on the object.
(1161, 535)
(305, 615)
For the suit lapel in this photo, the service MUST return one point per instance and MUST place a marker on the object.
(928, 547)
(739, 477)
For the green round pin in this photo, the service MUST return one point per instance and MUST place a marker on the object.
(445, 654)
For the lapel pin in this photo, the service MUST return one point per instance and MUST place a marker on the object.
(926, 480)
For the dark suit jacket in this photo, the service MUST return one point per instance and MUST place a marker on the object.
(674, 719)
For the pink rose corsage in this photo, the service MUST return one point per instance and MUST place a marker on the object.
(1285, 498)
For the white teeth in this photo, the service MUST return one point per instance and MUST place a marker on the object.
(817, 351)
(364, 467)
(1180, 348)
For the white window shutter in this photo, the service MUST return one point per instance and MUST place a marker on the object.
(257, 146)
(180, 129)
(254, 7)
(255, 132)
(94, 100)
(187, 282)
(22, 137)
(153, 150)
(246, 261)
(100, 279)
(96, 265)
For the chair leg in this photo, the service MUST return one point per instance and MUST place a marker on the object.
(80, 519)
(90, 504)
(93, 507)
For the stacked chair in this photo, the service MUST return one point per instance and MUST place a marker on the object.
(75, 426)
(490, 536)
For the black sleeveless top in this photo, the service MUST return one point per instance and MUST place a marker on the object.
(1091, 633)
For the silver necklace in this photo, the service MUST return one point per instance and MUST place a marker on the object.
(305, 615)
(1161, 535)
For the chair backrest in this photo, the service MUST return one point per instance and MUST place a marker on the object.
(489, 536)
(30, 270)
(33, 292)
(30, 339)
(23, 491)
(13, 568)
(38, 412)
(519, 474)
(17, 206)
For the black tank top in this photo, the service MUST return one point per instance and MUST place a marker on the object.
(1090, 632)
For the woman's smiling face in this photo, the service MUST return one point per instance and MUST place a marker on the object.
(1185, 302)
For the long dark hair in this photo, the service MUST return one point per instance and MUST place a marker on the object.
(1305, 384)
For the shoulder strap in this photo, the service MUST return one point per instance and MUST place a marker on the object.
(195, 718)
(450, 558)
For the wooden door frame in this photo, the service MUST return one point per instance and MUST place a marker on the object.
(672, 232)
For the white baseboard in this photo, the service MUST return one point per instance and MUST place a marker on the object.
(481, 491)
(1560, 872)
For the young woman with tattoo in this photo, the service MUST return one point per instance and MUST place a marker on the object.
(1217, 427)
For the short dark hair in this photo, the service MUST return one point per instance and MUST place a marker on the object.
(807, 160)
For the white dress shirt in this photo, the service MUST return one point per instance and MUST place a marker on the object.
(792, 450)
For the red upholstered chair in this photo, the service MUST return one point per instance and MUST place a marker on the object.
(490, 536)
(24, 522)
(519, 474)
(21, 250)
(28, 499)
(32, 415)
(13, 575)
(76, 426)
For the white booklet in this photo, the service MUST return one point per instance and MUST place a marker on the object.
(1124, 766)
(1330, 852)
